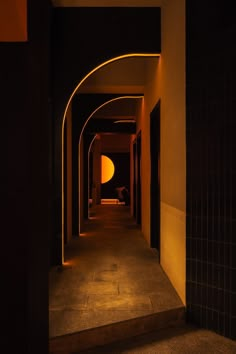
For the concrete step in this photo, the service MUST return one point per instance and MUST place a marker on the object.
(75, 342)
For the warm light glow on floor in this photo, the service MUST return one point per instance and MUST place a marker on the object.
(65, 265)
(107, 170)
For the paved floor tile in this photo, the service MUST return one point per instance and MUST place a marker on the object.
(119, 302)
(99, 287)
(111, 275)
(68, 298)
(183, 340)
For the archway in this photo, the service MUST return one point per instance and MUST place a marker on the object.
(76, 90)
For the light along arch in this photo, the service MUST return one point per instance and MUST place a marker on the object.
(131, 55)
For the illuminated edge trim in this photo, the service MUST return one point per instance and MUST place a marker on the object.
(156, 55)
(125, 121)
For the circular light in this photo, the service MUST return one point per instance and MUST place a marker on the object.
(107, 169)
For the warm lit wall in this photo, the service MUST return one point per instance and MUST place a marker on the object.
(13, 21)
(173, 145)
(69, 173)
(115, 142)
(166, 80)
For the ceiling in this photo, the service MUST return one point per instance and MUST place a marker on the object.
(125, 76)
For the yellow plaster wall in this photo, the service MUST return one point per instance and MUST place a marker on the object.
(165, 80)
(173, 145)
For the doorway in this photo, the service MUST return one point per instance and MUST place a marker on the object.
(155, 178)
(134, 179)
(138, 181)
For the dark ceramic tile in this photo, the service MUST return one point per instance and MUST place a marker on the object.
(227, 326)
(233, 328)
(204, 273)
(233, 304)
(227, 300)
(193, 248)
(188, 269)
(215, 299)
(221, 277)
(210, 252)
(215, 326)
(227, 276)
(188, 292)
(194, 271)
(198, 271)
(221, 299)
(232, 256)
(209, 274)
(209, 297)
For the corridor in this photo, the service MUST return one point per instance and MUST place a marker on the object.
(111, 275)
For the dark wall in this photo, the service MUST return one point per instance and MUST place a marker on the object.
(211, 166)
(25, 196)
(121, 175)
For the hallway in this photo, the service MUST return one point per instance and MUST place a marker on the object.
(111, 275)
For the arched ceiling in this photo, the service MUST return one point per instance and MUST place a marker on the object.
(122, 76)
(126, 76)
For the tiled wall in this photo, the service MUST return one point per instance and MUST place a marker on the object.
(211, 167)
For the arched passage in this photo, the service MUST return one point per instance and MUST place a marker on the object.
(128, 129)
(76, 90)
(79, 50)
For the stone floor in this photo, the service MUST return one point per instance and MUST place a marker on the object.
(181, 340)
(111, 275)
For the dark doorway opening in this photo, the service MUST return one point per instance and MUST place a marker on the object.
(134, 179)
(155, 177)
(138, 182)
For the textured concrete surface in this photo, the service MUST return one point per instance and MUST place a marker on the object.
(117, 331)
(183, 340)
(111, 275)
